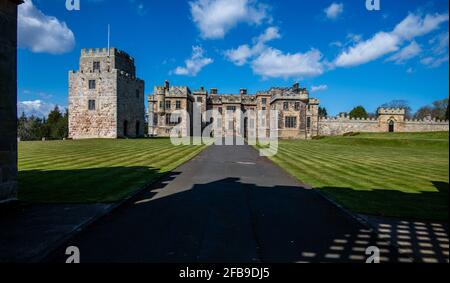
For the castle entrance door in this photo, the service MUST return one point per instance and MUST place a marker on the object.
(391, 126)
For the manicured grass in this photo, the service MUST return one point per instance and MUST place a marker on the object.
(94, 170)
(403, 175)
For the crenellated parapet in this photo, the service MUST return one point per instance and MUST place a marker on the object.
(391, 111)
(101, 52)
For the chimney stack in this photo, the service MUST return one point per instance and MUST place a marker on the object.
(166, 85)
(296, 87)
(214, 91)
(243, 91)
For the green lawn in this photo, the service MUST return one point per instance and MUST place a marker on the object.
(403, 175)
(94, 170)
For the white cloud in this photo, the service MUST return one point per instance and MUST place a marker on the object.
(243, 53)
(273, 63)
(334, 10)
(440, 43)
(269, 34)
(240, 55)
(215, 18)
(380, 44)
(413, 25)
(194, 64)
(37, 108)
(434, 62)
(406, 53)
(383, 43)
(319, 88)
(41, 33)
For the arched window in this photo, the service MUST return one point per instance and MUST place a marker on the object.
(391, 126)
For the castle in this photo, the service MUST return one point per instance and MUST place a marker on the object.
(106, 100)
(298, 113)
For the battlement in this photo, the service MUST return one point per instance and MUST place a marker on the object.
(346, 119)
(103, 52)
(391, 111)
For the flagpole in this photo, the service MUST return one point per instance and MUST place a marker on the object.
(109, 39)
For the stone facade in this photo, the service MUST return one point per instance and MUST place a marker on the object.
(106, 99)
(388, 120)
(298, 112)
(8, 100)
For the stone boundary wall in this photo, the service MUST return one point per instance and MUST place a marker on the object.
(425, 126)
(335, 126)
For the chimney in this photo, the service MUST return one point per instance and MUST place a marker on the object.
(202, 89)
(214, 91)
(243, 91)
(166, 85)
(296, 87)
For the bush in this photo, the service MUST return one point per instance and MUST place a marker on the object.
(351, 134)
(318, 137)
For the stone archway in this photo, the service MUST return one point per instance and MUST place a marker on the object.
(391, 126)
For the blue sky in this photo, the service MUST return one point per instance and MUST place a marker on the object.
(345, 54)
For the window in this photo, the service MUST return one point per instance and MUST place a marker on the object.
(286, 105)
(252, 124)
(168, 105)
(264, 108)
(220, 110)
(161, 105)
(264, 101)
(91, 105)
(200, 99)
(231, 125)
(308, 122)
(178, 104)
(231, 108)
(297, 106)
(172, 119)
(138, 93)
(291, 122)
(96, 66)
(91, 84)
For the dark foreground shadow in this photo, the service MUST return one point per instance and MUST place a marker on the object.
(423, 205)
(94, 185)
(230, 221)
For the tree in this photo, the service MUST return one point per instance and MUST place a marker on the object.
(403, 104)
(446, 113)
(359, 112)
(54, 127)
(323, 112)
(440, 108)
(423, 112)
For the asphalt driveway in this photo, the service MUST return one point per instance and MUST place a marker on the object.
(228, 205)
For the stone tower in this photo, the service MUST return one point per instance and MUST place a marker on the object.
(106, 99)
(8, 100)
(391, 119)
